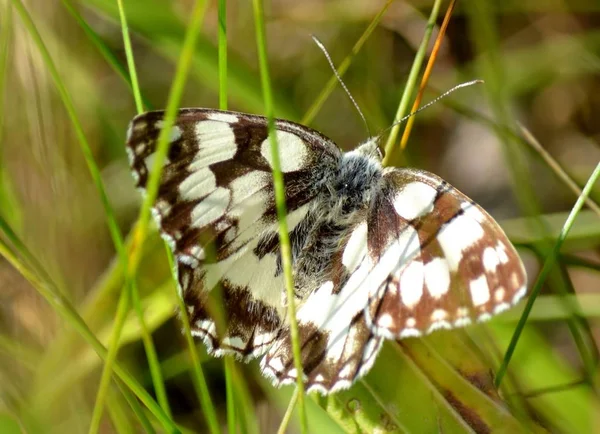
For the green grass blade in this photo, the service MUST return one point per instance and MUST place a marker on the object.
(116, 412)
(112, 224)
(197, 17)
(284, 241)
(105, 379)
(229, 366)
(548, 264)
(130, 60)
(153, 363)
(183, 66)
(151, 355)
(64, 308)
(104, 50)
(6, 192)
(411, 83)
(94, 171)
(222, 19)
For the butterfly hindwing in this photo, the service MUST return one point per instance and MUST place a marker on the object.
(337, 344)
(215, 207)
(453, 263)
(421, 258)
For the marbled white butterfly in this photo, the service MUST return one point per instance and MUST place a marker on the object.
(377, 252)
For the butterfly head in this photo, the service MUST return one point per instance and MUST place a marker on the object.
(370, 149)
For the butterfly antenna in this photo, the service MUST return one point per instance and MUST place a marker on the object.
(433, 101)
(337, 75)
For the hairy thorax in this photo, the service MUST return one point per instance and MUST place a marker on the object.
(343, 200)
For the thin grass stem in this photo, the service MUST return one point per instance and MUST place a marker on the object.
(411, 83)
(284, 241)
(548, 264)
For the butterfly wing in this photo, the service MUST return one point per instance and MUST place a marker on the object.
(337, 344)
(423, 257)
(443, 261)
(215, 208)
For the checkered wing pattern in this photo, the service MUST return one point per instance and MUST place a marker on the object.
(216, 209)
(376, 253)
(425, 257)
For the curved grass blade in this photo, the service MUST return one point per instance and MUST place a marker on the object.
(538, 366)
(150, 349)
(104, 50)
(141, 229)
(548, 264)
(284, 241)
(64, 308)
(95, 173)
(411, 83)
(427, 73)
(135, 87)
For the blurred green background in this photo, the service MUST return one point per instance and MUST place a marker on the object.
(540, 62)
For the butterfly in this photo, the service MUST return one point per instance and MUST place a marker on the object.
(377, 253)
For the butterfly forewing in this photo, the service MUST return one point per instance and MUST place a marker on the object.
(215, 207)
(376, 253)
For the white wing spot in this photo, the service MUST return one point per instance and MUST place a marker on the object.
(461, 322)
(188, 260)
(519, 294)
(292, 151)
(130, 155)
(169, 240)
(411, 322)
(244, 186)
(198, 184)
(490, 259)
(501, 308)
(216, 143)
(163, 207)
(234, 341)
(501, 251)
(414, 200)
(410, 333)
(437, 277)
(222, 117)
(211, 208)
(139, 149)
(385, 321)
(439, 315)
(484, 317)
(149, 161)
(438, 320)
(356, 248)
(346, 371)
(499, 294)
(514, 280)
(411, 283)
(455, 237)
(480, 292)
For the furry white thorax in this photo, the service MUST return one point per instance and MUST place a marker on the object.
(352, 184)
(342, 201)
